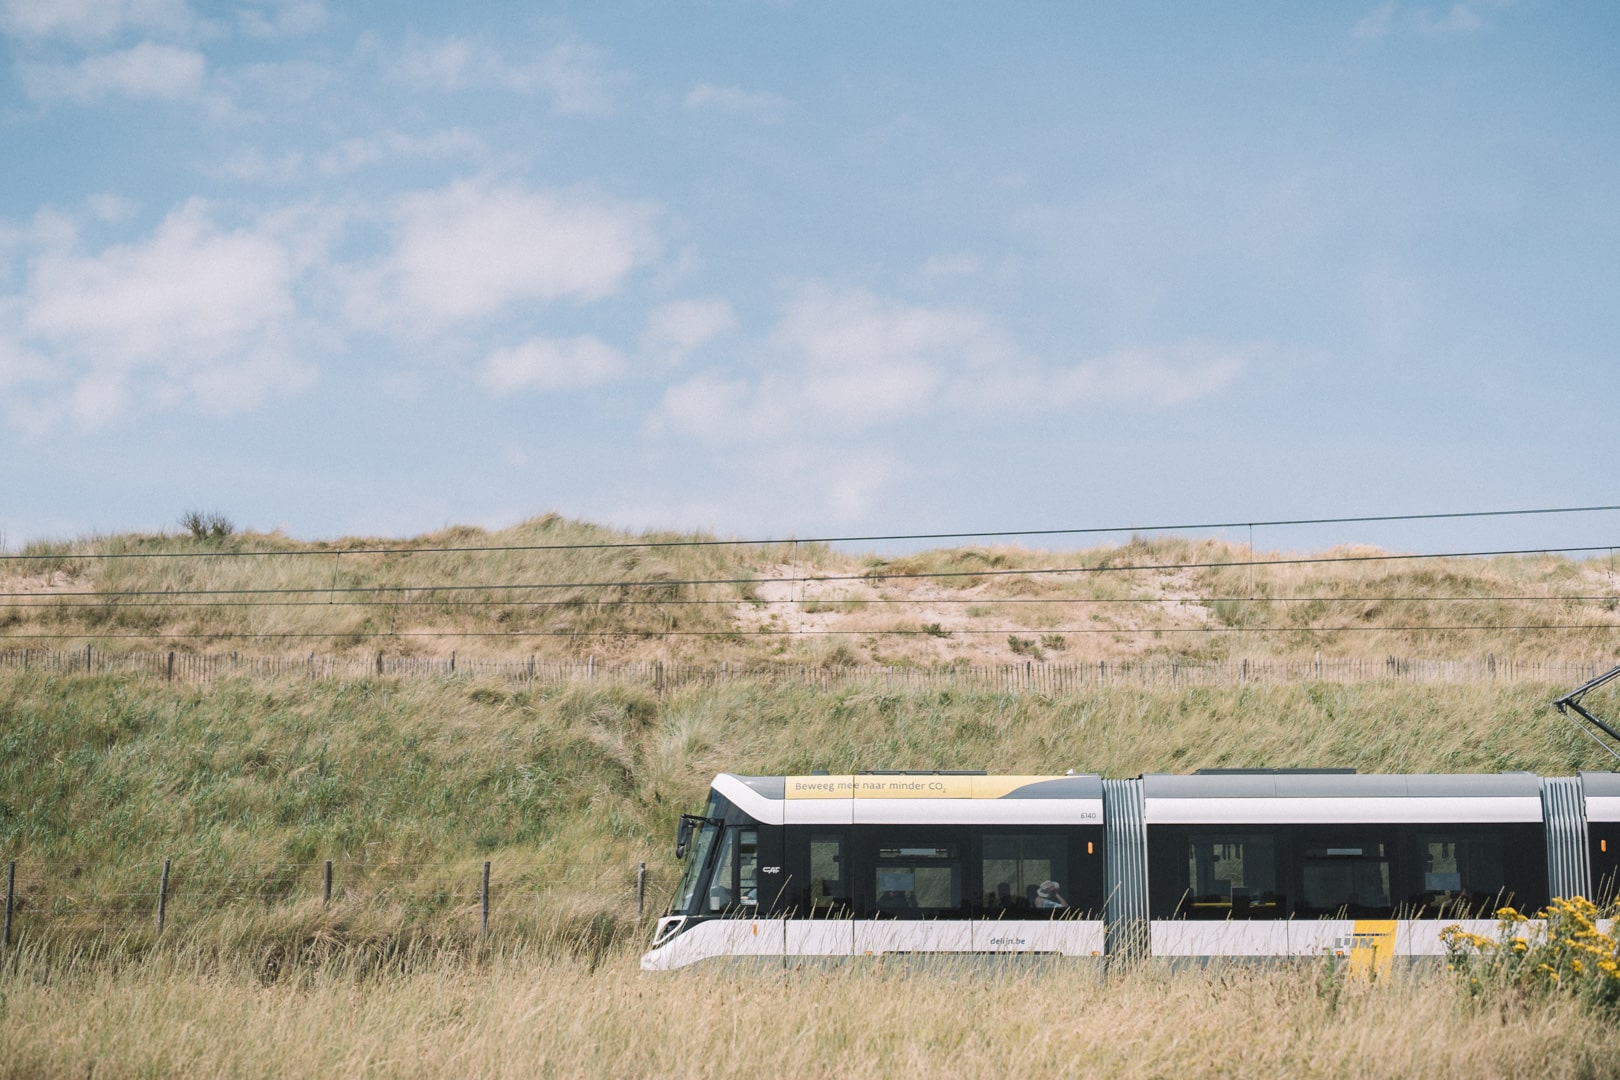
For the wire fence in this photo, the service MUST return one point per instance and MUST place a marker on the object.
(660, 676)
(42, 895)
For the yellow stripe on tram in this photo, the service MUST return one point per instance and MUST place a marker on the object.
(1372, 950)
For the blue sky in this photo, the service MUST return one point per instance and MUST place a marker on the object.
(812, 268)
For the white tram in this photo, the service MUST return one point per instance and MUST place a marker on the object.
(1237, 863)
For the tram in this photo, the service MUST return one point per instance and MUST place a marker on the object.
(1235, 863)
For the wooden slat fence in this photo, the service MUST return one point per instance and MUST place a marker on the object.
(1030, 676)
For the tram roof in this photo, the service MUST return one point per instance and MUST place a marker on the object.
(1601, 783)
(1328, 785)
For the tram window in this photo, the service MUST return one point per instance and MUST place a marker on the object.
(827, 887)
(1232, 875)
(736, 871)
(1460, 872)
(1345, 875)
(918, 879)
(748, 865)
(1018, 867)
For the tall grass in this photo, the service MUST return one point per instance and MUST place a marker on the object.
(521, 1013)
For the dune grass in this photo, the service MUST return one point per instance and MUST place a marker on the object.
(522, 1013)
(556, 588)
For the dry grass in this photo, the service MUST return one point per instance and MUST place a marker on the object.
(1194, 599)
(516, 1014)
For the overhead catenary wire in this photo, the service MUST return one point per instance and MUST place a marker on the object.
(1093, 530)
(47, 601)
(765, 632)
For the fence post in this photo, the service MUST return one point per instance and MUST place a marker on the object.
(641, 892)
(379, 663)
(163, 896)
(11, 892)
(658, 676)
(171, 665)
(87, 659)
(326, 884)
(483, 904)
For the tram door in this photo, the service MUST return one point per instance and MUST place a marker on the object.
(827, 891)
(1604, 838)
(818, 857)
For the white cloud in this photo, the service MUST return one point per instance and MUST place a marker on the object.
(20, 366)
(705, 406)
(571, 72)
(110, 206)
(254, 166)
(1154, 378)
(675, 330)
(191, 289)
(238, 385)
(761, 105)
(844, 361)
(1376, 23)
(942, 267)
(839, 359)
(89, 21)
(472, 249)
(1460, 18)
(193, 314)
(351, 155)
(441, 65)
(281, 18)
(550, 364)
(146, 71)
(803, 488)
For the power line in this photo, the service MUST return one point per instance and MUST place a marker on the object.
(767, 633)
(45, 603)
(333, 590)
(981, 535)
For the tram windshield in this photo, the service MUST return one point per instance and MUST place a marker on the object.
(697, 865)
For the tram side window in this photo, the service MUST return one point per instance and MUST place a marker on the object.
(1232, 875)
(736, 871)
(1345, 876)
(748, 865)
(918, 879)
(1025, 873)
(828, 889)
(1462, 874)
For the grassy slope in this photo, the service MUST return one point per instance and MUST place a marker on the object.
(1100, 610)
(409, 785)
